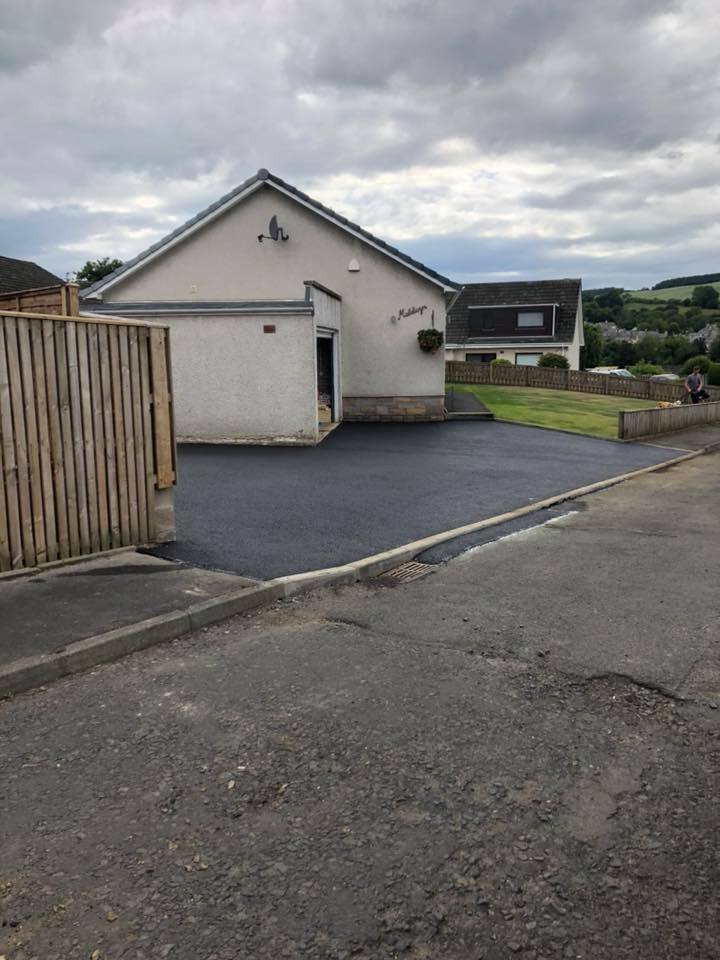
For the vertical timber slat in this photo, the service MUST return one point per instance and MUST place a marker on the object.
(162, 423)
(96, 403)
(56, 444)
(109, 435)
(8, 470)
(120, 459)
(136, 397)
(77, 435)
(31, 433)
(129, 439)
(17, 425)
(43, 427)
(68, 446)
(147, 429)
(87, 436)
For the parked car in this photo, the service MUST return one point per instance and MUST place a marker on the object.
(665, 377)
(613, 372)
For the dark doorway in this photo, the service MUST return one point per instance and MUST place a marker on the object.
(325, 373)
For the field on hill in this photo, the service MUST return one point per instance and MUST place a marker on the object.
(669, 293)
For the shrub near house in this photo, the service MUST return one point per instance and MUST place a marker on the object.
(554, 360)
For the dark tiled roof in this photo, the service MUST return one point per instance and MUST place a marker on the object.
(265, 176)
(16, 275)
(566, 293)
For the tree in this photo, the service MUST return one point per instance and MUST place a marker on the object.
(94, 270)
(715, 350)
(675, 351)
(648, 347)
(701, 361)
(645, 369)
(620, 353)
(554, 360)
(611, 298)
(706, 297)
(592, 351)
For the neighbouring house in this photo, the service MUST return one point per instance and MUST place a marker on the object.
(17, 275)
(516, 321)
(285, 318)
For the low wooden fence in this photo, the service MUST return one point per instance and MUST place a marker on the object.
(60, 300)
(87, 447)
(647, 423)
(550, 379)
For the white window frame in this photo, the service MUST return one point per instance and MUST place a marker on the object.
(527, 353)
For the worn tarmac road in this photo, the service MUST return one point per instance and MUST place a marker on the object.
(269, 511)
(516, 755)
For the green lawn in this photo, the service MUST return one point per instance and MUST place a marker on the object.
(587, 413)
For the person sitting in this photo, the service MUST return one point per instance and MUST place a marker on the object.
(695, 386)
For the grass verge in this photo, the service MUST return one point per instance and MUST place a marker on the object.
(588, 413)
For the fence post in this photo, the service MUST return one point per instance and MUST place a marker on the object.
(621, 425)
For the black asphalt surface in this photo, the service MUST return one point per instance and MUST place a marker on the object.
(515, 756)
(271, 511)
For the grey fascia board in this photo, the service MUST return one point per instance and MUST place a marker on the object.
(205, 307)
(473, 344)
(507, 306)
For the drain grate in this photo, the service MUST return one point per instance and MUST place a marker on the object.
(406, 572)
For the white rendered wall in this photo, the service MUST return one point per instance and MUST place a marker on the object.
(225, 261)
(233, 382)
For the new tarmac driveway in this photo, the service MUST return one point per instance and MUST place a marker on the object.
(271, 511)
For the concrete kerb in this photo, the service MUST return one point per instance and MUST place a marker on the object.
(24, 675)
(30, 672)
(369, 567)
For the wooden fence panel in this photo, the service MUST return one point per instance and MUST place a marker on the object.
(642, 388)
(86, 435)
(649, 423)
(60, 299)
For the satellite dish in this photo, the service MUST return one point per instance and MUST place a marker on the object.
(275, 232)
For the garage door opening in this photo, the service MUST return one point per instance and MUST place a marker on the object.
(327, 403)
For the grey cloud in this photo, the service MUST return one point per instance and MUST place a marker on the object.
(32, 31)
(108, 100)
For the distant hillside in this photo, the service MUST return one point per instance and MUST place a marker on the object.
(670, 293)
(700, 280)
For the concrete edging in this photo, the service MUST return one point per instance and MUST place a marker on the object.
(24, 675)
(373, 566)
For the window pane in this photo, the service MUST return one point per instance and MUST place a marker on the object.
(527, 359)
(480, 357)
(530, 318)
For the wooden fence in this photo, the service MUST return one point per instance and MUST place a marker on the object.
(647, 423)
(87, 448)
(550, 379)
(60, 300)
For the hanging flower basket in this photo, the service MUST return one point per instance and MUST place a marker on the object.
(430, 340)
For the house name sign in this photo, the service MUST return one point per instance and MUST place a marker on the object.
(407, 312)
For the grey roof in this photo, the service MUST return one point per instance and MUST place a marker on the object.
(17, 275)
(264, 176)
(565, 293)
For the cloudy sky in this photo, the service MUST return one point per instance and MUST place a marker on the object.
(488, 138)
